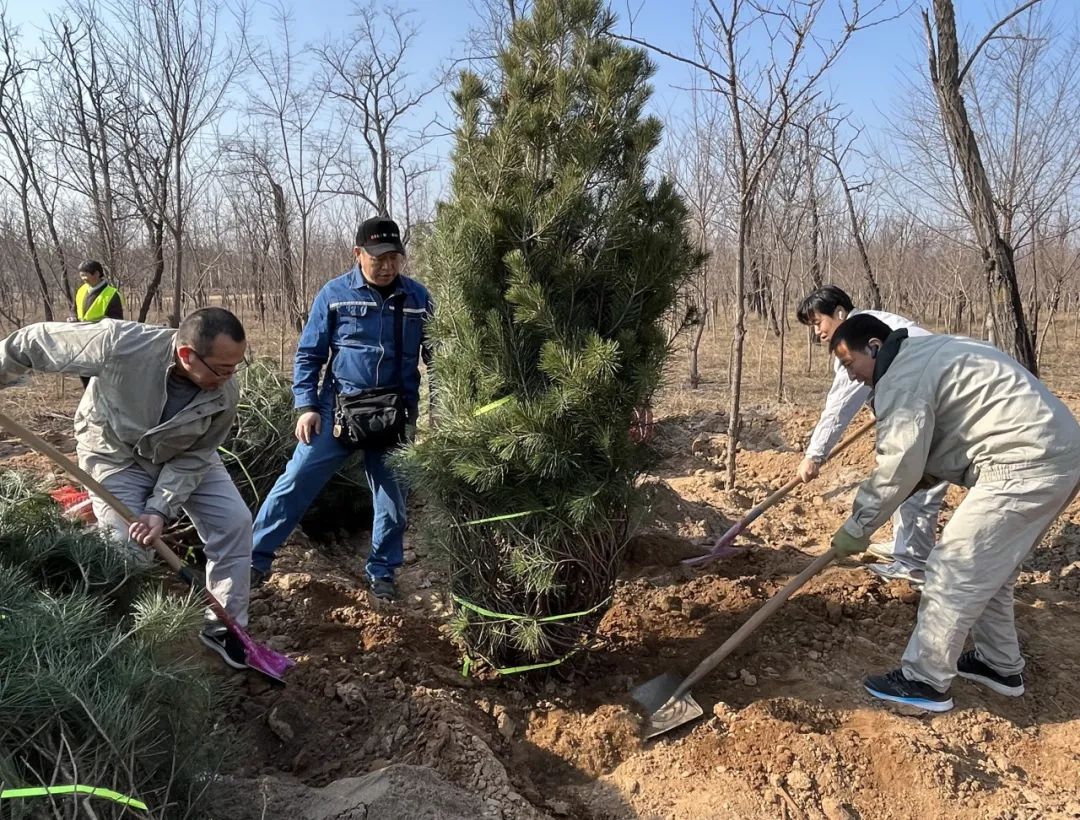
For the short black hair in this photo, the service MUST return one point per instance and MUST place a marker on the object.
(824, 300)
(857, 332)
(200, 329)
(91, 266)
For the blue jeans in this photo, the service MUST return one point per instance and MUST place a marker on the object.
(311, 466)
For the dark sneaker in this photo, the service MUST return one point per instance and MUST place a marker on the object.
(258, 577)
(894, 687)
(226, 644)
(383, 588)
(969, 666)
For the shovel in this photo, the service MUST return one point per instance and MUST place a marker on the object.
(722, 546)
(260, 658)
(667, 698)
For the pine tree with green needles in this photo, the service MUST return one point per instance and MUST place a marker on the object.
(554, 265)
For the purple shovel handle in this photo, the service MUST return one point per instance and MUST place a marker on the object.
(723, 549)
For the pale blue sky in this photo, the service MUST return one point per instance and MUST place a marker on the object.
(866, 81)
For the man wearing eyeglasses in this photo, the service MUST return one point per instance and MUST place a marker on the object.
(148, 428)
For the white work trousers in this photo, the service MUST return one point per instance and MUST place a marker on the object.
(221, 519)
(915, 526)
(971, 574)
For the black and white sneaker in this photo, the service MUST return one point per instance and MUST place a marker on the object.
(896, 688)
(382, 588)
(226, 644)
(969, 666)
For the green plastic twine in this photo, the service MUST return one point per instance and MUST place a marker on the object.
(502, 616)
(487, 408)
(93, 791)
(506, 517)
(467, 663)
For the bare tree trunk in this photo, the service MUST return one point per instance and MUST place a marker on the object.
(153, 288)
(1005, 308)
(815, 213)
(739, 343)
(783, 340)
(815, 242)
(856, 232)
(48, 211)
(809, 350)
(695, 374)
(285, 255)
(178, 243)
(1051, 310)
(31, 244)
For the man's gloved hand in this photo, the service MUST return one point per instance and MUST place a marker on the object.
(847, 544)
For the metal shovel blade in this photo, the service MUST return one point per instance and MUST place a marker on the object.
(715, 554)
(665, 712)
(263, 659)
(672, 714)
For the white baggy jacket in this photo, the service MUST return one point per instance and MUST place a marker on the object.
(846, 395)
(954, 409)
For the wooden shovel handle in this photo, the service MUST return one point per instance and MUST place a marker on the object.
(759, 617)
(36, 442)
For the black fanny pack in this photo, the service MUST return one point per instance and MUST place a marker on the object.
(374, 418)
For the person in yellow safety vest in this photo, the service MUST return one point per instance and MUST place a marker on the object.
(95, 299)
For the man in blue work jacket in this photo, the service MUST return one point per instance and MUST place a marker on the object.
(353, 330)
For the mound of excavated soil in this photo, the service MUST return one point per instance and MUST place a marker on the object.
(393, 793)
(593, 742)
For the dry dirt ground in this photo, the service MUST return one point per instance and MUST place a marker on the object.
(788, 730)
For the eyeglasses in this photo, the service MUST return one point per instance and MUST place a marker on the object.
(243, 364)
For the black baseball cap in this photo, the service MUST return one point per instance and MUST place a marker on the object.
(379, 235)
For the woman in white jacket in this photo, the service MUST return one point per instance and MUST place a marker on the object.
(957, 410)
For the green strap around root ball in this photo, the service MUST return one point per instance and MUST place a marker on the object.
(467, 663)
(487, 408)
(506, 517)
(93, 791)
(502, 616)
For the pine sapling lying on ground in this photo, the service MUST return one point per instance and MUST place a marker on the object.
(94, 690)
